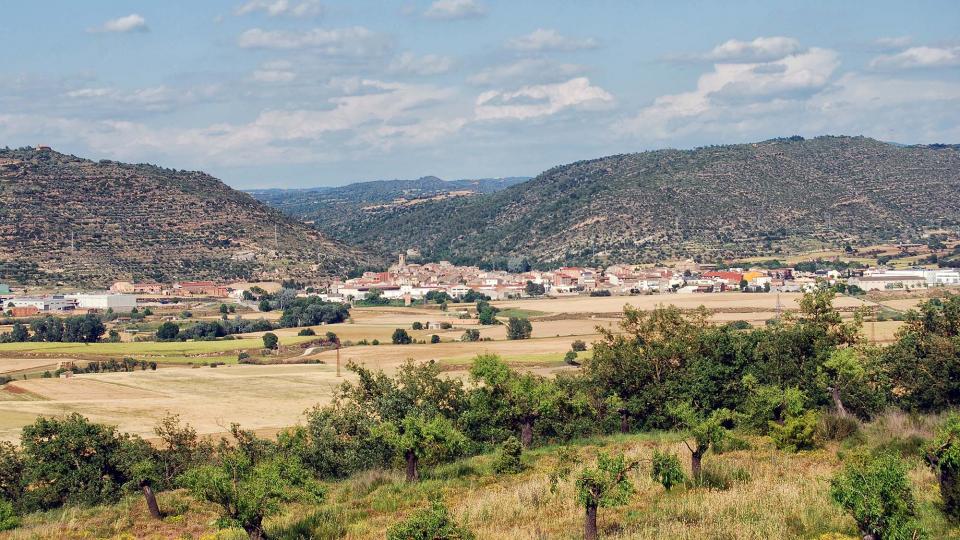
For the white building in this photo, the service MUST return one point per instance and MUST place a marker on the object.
(120, 303)
(45, 303)
(881, 282)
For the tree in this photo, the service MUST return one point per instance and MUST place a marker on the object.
(534, 289)
(518, 328)
(578, 345)
(249, 489)
(434, 339)
(168, 331)
(471, 334)
(270, 341)
(876, 492)
(666, 469)
(486, 314)
(179, 449)
(708, 431)
(843, 371)
(224, 309)
(264, 305)
(508, 460)
(432, 523)
(401, 337)
(943, 455)
(19, 332)
(417, 440)
(417, 325)
(601, 487)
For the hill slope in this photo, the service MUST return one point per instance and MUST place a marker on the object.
(332, 207)
(84, 222)
(712, 203)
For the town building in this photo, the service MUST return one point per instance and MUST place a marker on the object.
(120, 303)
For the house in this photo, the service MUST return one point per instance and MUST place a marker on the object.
(202, 288)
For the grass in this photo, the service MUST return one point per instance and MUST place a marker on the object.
(758, 492)
(520, 313)
(147, 348)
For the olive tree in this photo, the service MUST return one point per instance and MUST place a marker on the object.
(604, 486)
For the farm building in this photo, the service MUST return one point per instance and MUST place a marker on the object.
(104, 301)
(45, 303)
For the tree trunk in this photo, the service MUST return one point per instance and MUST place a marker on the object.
(624, 422)
(526, 433)
(255, 532)
(590, 523)
(413, 474)
(151, 502)
(696, 459)
(838, 403)
(949, 491)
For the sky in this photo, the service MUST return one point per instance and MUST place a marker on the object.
(300, 93)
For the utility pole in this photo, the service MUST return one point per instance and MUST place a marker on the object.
(338, 358)
(779, 306)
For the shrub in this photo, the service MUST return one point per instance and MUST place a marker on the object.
(431, 523)
(270, 341)
(834, 427)
(417, 325)
(720, 477)
(306, 332)
(518, 328)
(578, 345)
(666, 469)
(445, 325)
(508, 460)
(943, 455)
(434, 339)
(322, 523)
(570, 358)
(876, 492)
(471, 335)
(799, 432)
(8, 518)
(375, 342)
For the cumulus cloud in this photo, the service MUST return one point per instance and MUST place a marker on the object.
(738, 87)
(455, 9)
(919, 57)
(527, 70)
(759, 50)
(540, 100)
(351, 41)
(428, 64)
(129, 23)
(543, 39)
(274, 8)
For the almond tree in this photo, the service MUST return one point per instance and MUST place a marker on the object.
(417, 439)
(707, 431)
(602, 487)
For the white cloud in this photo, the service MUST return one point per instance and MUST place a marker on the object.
(527, 70)
(540, 100)
(455, 9)
(274, 72)
(273, 8)
(428, 64)
(897, 42)
(543, 39)
(759, 50)
(351, 41)
(129, 23)
(738, 87)
(155, 98)
(919, 57)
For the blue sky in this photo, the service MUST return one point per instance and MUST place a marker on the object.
(296, 93)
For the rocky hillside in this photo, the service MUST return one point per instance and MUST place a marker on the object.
(332, 207)
(63, 218)
(711, 203)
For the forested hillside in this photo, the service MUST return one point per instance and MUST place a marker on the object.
(712, 203)
(332, 207)
(64, 218)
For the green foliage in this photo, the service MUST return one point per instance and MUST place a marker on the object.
(270, 341)
(486, 314)
(605, 485)
(306, 332)
(666, 469)
(943, 455)
(8, 517)
(876, 492)
(312, 311)
(518, 328)
(401, 337)
(578, 345)
(417, 325)
(416, 440)
(248, 489)
(471, 334)
(434, 339)
(508, 459)
(798, 432)
(434, 523)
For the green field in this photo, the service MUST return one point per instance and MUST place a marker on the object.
(521, 313)
(146, 348)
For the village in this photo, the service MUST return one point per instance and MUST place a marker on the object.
(410, 282)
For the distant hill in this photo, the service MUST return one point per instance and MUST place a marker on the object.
(332, 207)
(712, 203)
(63, 218)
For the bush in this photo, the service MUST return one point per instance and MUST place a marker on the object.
(270, 341)
(417, 325)
(797, 433)
(876, 492)
(943, 455)
(666, 469)
(433, 523)
(306, 332)
(434, 339)
(508, 460)
(8, 518)
(518, 328)
(834, 427)
(578, 345)
(471, 335)
(570, 358)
